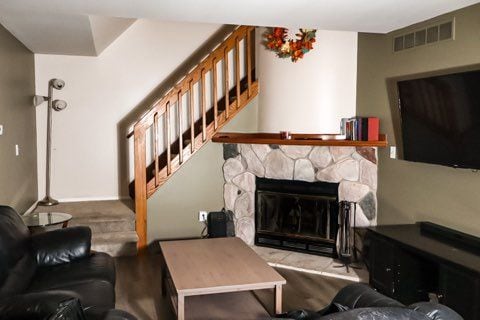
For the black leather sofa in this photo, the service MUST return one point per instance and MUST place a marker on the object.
(53, 275)
(360, 302)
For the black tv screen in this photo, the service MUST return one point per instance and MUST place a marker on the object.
(440, 119)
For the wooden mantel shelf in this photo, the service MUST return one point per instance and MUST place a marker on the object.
(296, 139)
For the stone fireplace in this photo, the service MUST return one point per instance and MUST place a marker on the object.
(354, 169)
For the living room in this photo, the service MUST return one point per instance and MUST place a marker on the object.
(149, 120)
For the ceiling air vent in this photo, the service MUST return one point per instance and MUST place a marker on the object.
(431, 34)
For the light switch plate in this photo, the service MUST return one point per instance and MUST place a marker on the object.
(1, 129)
(393, 152)
(17, 150)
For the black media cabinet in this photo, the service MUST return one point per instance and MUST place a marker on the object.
(407, 262)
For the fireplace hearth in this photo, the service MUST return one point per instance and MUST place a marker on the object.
(297, 215)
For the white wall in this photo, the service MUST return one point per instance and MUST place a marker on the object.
(100, 92)
(313, 94)
(308, 96)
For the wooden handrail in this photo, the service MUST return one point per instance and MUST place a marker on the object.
(150, 176)
(194, 75)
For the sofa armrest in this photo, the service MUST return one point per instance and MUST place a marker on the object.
(61, 246)
(47, 305)
(348, 299)
(435, 311)
(362, 296)
(300, 314)
(376, 313)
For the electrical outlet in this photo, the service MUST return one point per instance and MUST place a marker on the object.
(393, 152)
(17, 150)
(202, 216)
(1, 129)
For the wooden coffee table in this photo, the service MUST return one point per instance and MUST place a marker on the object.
(209, 266)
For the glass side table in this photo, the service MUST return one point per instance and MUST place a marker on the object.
(39, 221)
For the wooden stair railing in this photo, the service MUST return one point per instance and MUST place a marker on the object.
(148, 133)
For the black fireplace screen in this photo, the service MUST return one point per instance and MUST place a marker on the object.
(297, 215)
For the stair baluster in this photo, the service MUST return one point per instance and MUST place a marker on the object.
(237, 72)
(203, 102)
(249, 62)
(180, 126)
(155, 148)
(226, 81)
(169, 139)
(215, 98)
(191, 105)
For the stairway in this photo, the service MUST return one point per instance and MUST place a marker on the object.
(187, 117)
(112, 223)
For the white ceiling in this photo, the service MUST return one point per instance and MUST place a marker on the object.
(66, 27)
(60, 32)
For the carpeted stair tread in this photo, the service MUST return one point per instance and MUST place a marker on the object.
(115, 236)
(105, 224)
(116, 243)
(123, 208)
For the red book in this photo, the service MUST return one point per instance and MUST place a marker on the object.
(373, 129)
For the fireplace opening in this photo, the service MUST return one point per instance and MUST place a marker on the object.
(297, 215)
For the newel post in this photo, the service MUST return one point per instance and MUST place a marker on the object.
(140, 187)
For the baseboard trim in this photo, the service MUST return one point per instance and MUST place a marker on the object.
(81, 199)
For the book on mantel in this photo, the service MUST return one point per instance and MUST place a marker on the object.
(361, 128)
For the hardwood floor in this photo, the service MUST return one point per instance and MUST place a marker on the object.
(138, 291)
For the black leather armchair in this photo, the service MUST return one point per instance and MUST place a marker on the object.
(53, 275)
(360, 302)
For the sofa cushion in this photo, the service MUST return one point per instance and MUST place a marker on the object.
(99, 266)
(92, 293)
(16, 270)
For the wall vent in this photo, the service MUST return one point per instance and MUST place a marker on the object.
(428, 35)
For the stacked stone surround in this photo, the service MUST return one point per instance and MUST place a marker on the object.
(354, 168)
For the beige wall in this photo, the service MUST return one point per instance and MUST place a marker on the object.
(18, 175)
(313, 94)
(173, 209)
(408, 191)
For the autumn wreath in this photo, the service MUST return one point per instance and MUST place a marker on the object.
(276, 40)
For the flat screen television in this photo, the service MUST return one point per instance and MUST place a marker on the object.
(440, 119)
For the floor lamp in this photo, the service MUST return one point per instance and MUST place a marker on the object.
(56, 105)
